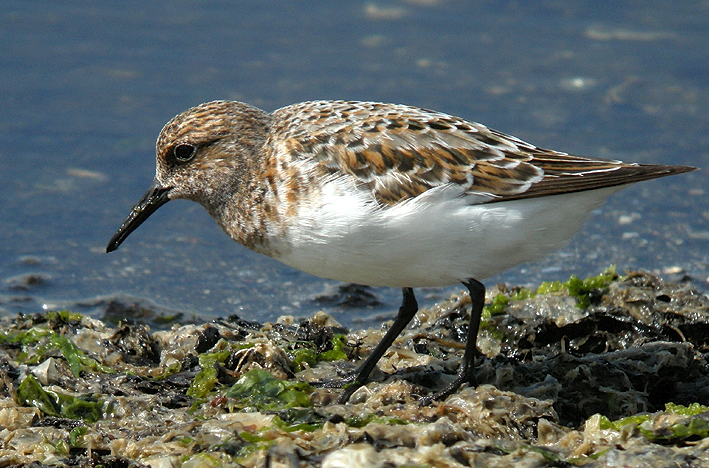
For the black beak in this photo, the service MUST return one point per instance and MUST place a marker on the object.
(153, 199)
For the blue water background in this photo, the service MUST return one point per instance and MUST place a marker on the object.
(86, 86)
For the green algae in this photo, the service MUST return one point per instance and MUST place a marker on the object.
(249, 443)
(522, 294)
(65, 316)
(691, 410)
(206, 379)
(337, 353)
(581, 290)
(76, 436)
(303, 358)
(57, 404)
(307, 357)
(260, 390)
(298, 419)
(696, 425)
(497, 306)
(39, 342)
(365, 419)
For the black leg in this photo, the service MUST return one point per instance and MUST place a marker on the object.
(408, 309)
(466, 372)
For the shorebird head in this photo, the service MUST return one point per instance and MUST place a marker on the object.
(200, 156)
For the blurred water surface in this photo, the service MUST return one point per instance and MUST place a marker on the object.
(86, 87)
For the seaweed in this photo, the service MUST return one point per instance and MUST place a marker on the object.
(58, 404)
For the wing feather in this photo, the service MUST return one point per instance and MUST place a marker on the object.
(399, 152)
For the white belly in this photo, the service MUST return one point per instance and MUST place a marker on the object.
(436, 239)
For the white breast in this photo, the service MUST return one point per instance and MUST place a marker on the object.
(436, 239)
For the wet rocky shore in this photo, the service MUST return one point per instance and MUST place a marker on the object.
(608, 371)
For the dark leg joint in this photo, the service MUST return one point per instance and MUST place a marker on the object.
(466, 372)
(408, 309)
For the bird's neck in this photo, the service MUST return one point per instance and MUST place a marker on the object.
(246, 209)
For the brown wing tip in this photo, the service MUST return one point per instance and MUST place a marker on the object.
(632, 173)
(651, 171)
(686, 169)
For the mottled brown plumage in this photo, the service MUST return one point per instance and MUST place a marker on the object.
(399, 152)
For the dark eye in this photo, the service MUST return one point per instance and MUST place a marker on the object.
(184, 153)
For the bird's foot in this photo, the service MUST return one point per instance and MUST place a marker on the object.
(465, 375)
(339, 383)
(350, 384)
